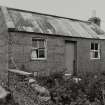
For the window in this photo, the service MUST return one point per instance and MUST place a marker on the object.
(95, 51)
(38, 49)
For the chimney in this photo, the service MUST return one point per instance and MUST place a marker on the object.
(95, 19)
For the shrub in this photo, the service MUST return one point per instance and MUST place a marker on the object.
(73, 90)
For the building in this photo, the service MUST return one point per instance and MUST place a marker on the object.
(39, 42)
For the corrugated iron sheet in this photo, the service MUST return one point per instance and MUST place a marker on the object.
(33, 22)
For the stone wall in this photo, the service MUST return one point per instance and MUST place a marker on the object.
(24, 92)
(3, 49)
(21, 51)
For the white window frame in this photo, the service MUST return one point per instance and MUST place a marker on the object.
(94, 50)
(45, 49)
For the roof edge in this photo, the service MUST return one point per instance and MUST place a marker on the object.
(21, 31)
(7, 18)
(56, 16)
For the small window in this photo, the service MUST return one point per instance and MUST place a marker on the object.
(95, 51)
(38, 49)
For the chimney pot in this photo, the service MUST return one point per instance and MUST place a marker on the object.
(95, 19)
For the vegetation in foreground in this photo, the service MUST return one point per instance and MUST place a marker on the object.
(88, 89)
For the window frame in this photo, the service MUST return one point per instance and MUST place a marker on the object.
(45, 49)
(94, 50)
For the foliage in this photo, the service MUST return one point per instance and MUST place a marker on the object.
(83, 90)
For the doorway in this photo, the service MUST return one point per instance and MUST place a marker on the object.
(70, 57)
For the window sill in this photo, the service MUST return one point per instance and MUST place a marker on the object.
(38, 59)
(95, 58)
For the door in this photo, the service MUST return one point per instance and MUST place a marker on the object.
(70, 57)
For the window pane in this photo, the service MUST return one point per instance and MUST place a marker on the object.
(34, 43)
(34, 54)
(41, 53)
(41, 43)
(96, 55)
(92, 54)
(92, 46)
(96, 46)
(38, 48)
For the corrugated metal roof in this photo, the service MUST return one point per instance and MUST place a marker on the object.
(39, 23)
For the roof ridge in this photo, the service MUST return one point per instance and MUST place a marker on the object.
(56, 16)
(18, 20)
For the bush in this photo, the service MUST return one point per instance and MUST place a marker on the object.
(73, 90)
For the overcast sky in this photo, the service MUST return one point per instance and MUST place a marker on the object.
(78, 9)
